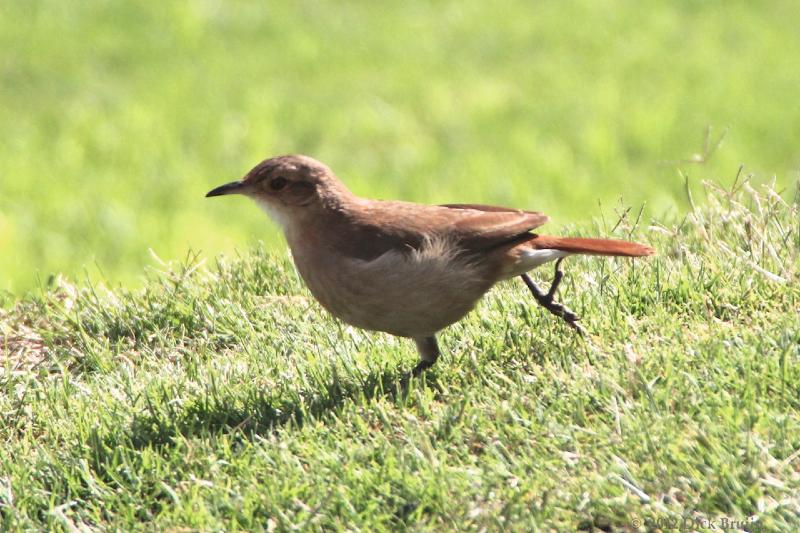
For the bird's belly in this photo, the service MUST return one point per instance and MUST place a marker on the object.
(409, 295)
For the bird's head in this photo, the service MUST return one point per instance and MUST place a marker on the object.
(288, 187)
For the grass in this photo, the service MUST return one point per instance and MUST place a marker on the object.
(214, 394)
(221, 397)
(119, 116)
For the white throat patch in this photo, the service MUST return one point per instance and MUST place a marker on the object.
(275, 214)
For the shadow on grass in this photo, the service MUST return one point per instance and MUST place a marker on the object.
(256, 412)
(262, 411)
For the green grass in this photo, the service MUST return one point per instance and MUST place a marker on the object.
(220, 396)
(118, 115)
(215, 394)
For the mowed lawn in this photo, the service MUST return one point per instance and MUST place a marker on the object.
(118, 116)
(221, 397)
(162, 367)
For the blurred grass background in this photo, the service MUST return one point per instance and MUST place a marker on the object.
(117, 116)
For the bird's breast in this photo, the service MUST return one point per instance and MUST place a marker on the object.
(403, 292)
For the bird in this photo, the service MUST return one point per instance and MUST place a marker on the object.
(404, 268)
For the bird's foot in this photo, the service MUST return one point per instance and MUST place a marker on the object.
(416, 372)
(429, 352)
(421, 367)
(547, 299)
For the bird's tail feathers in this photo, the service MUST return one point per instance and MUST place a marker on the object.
(581, 245)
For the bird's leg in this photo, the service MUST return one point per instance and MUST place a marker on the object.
(546, 300)
(557, 277)
(428, 350)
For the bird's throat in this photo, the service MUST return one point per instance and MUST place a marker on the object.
(278, 215)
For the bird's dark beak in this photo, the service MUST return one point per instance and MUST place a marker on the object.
(234, 187)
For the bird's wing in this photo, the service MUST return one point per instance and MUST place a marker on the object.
(404, 226)
(483, 227)
(489, 208)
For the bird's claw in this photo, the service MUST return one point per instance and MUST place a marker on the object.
(546, 299)
(421, 367)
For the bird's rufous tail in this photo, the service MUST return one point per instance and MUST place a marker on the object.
(580, 245)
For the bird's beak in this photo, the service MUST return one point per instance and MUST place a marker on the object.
(234, 187)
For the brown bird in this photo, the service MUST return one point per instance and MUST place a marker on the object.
(404, 268)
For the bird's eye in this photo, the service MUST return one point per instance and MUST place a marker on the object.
(277, 184)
